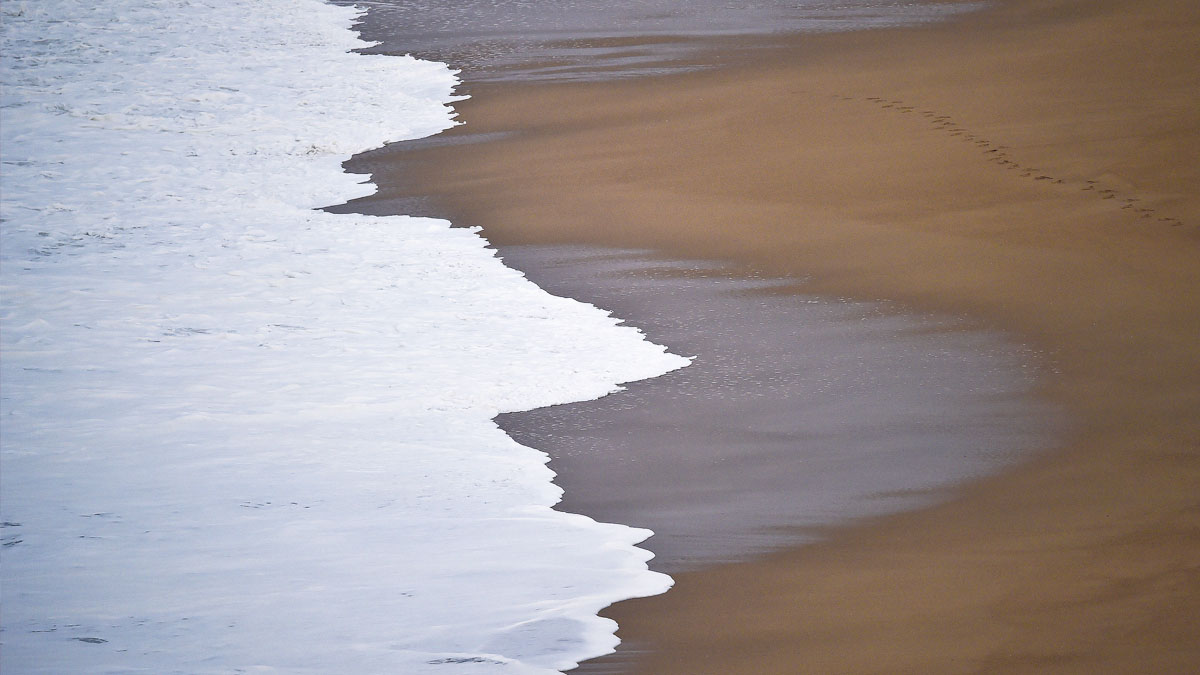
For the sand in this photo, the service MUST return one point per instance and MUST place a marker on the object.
(1036, 167)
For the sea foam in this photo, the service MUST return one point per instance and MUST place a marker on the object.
(243, 435)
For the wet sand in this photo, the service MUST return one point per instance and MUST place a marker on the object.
(795, 415)
(1034, 167)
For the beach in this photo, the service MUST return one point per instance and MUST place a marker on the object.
(1032, 166)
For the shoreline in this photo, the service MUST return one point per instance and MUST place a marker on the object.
(1031, 167)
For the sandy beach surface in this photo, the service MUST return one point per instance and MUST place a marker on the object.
(1035, 166)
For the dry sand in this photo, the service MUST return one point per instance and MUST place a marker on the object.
(1035, 166)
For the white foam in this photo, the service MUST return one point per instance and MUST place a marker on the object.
(242, 434)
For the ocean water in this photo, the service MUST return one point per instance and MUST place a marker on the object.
(243, 435)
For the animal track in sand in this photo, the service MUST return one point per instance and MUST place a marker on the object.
(999, 155)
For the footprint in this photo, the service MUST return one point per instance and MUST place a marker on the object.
(995, 153)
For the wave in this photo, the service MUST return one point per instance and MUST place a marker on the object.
(241, 433)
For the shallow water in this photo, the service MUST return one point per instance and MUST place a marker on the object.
(243, 435)
(591, 39)
(796, 413)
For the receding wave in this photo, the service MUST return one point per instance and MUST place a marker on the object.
(241, 433)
